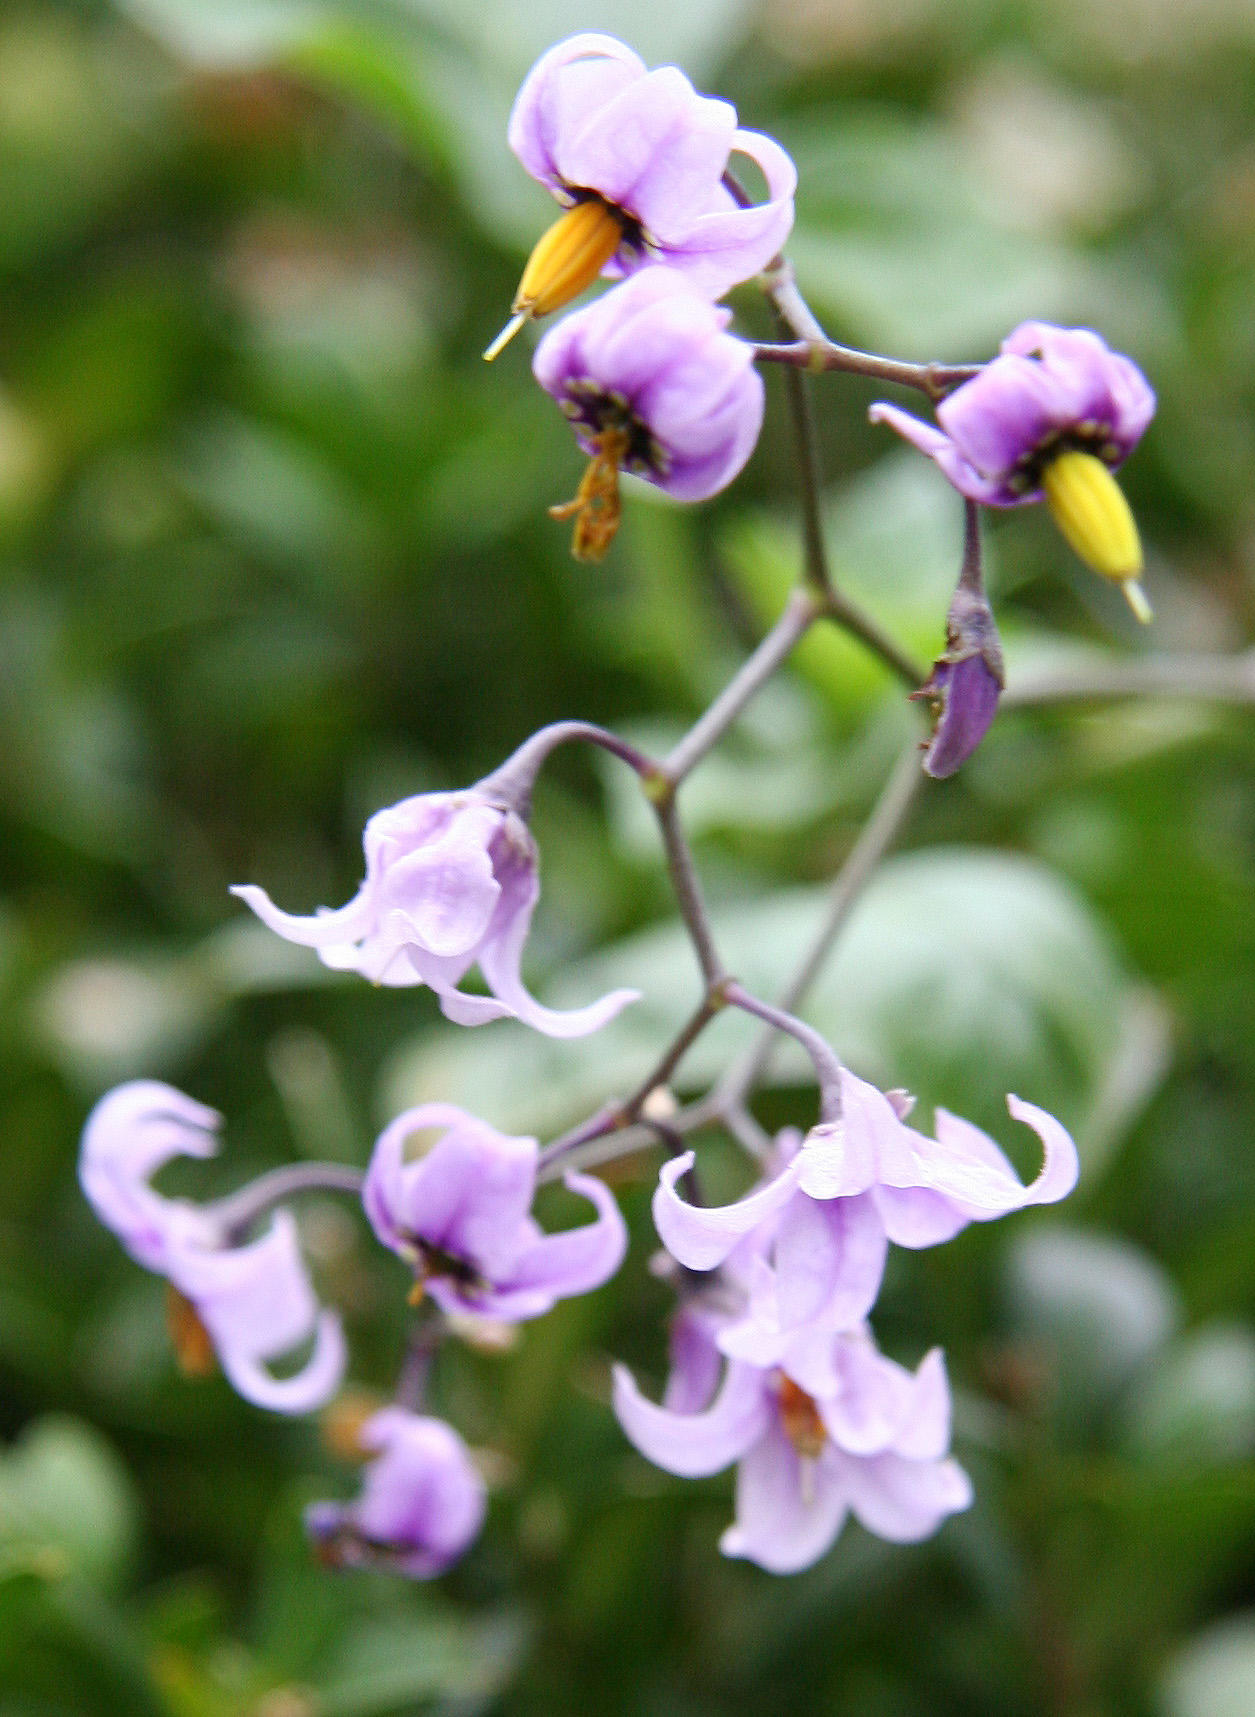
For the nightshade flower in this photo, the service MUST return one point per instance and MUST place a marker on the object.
(860, 1436)
(1051, 417)
(638, 158)
(460, 1214)
(422, 1501)
(254, 1300)
(451, 880)
(853, 1186)
(652, 383)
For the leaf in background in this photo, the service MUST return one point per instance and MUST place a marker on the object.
(1197, 1404)
(962, 974)
(65, 1497)
(1215, 1674)
(1099, 1308)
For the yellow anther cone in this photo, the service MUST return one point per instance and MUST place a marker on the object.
(566, 259)
(1090, 510)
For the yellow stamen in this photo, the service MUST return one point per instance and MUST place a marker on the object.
(192, 1342)
(566, 259)
(1090, 510)
(596, 509)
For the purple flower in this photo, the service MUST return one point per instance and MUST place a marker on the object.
(460, 1214)
(451, 880)
(254, 1300)
(592, 123)
(1051, 417)
(856, 1434)
(853, 1186)
(654, 384)
(1050, 389)
(422, 1501)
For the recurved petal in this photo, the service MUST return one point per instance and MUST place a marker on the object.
(693, 1445)
(966, 1166)
(728, 244)
(902, 1500)
(788, 1511)
(132, 1131)
(303, 1392)
(500, 961)
(700, 1237)
(325, 929)
(257, 1303)
(580, 1259)
(991, 491)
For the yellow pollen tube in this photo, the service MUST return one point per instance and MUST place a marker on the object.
(1090, 510)
(566, 259)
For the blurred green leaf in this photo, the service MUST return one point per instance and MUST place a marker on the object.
(1197, 1403)
(1098, 1307)
(962, 974)
(1215, 1675)
(66, 1502)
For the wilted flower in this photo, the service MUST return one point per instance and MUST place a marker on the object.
(858, 1435)
(422, 1501)
(967, 678)
(654, 384)
(1051, 417)
(638, 157)
(451, 880)
(460, 1213)
(253, 1300)
(853, 1186)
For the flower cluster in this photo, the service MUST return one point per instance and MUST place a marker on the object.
(649, 377)
(823, 1425)
(773, 1364)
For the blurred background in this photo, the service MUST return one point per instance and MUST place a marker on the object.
(273, 553)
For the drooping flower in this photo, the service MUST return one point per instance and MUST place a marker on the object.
(856, 1435)
(853, 1186)
(421, 1505)
(1051, 417)
(652, 383)
(460, 1214)
(638, 158)
(254, 1300)
(451, 881)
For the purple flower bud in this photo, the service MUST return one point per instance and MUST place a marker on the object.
(654, 384)
(460, 1214)
(855, 1185)
(965, 683)
(451, 880)
(421, 1505)
(591, 120)
(1050, 390)
(254, 1300)
(860, 1435)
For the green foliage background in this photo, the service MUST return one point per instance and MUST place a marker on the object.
(273, 552)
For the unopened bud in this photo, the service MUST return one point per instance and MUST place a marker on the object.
(965, 683)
